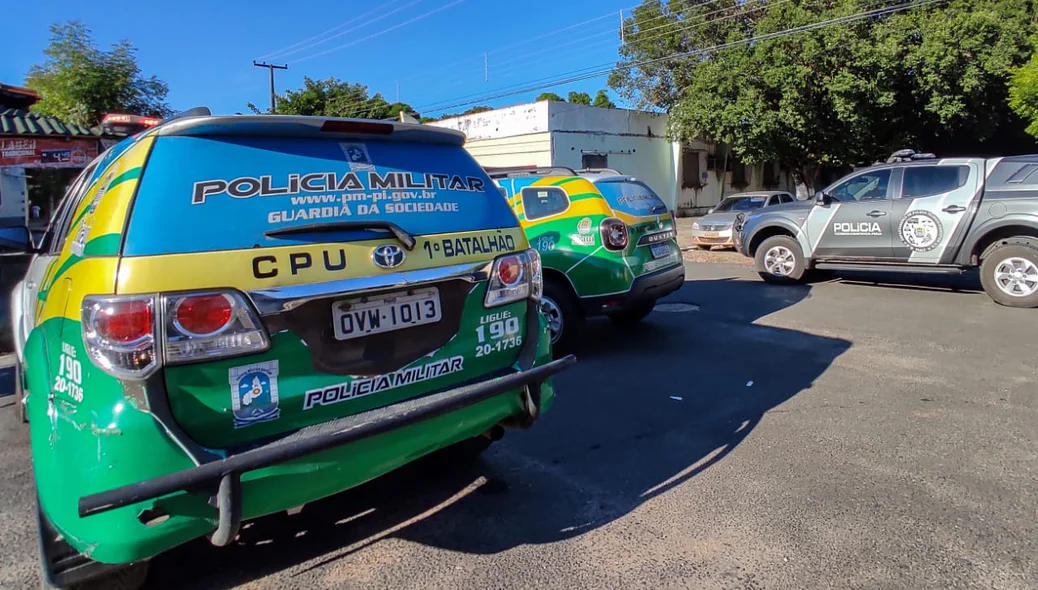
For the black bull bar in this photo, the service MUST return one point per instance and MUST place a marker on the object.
(226, 473)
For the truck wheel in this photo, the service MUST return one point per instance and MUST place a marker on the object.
(565, 319)
(630, 317)
(780, 260)
(1009, 275)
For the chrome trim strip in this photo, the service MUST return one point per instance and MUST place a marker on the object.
(280, 299)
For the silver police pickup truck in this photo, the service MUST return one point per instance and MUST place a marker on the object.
(915, 213)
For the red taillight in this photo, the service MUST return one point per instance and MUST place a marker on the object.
(510, 270)
(614, 234)
(125, 321)
(203, 315)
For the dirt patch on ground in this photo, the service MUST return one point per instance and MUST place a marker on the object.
(692, 253)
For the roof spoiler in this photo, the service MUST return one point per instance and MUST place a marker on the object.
(601, 171)
(511, 172)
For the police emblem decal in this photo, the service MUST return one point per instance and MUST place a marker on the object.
(254, 393)
(920, 230)
(357, 156)
(388, 256)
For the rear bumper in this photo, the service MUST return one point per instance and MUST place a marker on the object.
(644, 289)
(224, 475)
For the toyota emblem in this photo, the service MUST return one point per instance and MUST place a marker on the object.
(388, 256)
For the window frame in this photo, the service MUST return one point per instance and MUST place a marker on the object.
(892, 180)
(904, 178)
(57, 231)
(526, 213)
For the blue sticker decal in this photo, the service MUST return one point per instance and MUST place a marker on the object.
(254, 393)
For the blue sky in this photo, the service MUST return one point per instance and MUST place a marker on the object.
(204, 50)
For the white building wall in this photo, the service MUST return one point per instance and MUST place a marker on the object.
(522, 150)
(697, 200)
(514, 121)
(647, 158)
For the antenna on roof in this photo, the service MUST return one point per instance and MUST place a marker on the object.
(195, 112)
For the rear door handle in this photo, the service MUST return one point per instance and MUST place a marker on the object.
(953, 209)
(876, 213)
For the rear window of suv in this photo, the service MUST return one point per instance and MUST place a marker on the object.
(200, 194)
(631, 197)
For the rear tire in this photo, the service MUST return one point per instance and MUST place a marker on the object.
(780, 260)
(565, 318)
(1009, 275)
(630, 317)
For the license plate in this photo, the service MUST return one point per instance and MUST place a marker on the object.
(355, 318)
(712, 234)
(660, 250)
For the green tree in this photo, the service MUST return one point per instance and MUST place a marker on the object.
(933, 79)
(602, 100)
(1023, 92)
(336, 98)
(80, 83)
(580, 98)
(549, 96)
(479, 109)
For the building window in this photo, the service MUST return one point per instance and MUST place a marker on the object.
(543, 201)
(770, 176)
(740, 178)
(690, 171)
(594, 161)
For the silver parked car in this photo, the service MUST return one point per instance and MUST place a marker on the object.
(715, 228)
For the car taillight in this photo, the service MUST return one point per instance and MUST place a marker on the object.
(122, 334)
(119, 334)
(210, 325)
(614, 233)
(515, 277)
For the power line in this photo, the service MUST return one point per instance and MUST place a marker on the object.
(351, 29)
(382, 32)
(335, 28)
(766, 37)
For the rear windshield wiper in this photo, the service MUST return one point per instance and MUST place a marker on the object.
(398, 232)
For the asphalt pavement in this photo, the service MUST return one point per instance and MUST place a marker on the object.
(841, 434)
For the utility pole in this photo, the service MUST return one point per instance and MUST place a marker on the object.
(398, 90)
(271, 67)
(486, 67)
(621, 26)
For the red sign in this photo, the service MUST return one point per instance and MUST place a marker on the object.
(47, 153)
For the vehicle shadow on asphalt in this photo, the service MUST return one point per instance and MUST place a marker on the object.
(645, 410)
(966, 283)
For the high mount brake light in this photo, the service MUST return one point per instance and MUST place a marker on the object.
(123, 334)
(614, 233)
(333, 126)
(515, 277)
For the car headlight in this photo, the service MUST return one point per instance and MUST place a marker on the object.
(695, 225)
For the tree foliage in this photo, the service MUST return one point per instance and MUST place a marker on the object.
(79, 83)
(933, 79)
(579, 98)
(336, 98)
(549, 96)
(1023, 92)
(602, 100)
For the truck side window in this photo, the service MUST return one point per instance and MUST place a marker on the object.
(543, 201)
(925, 181)
(869, 186)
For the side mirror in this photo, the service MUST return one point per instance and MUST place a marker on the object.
(822, 198)
(16, 240)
